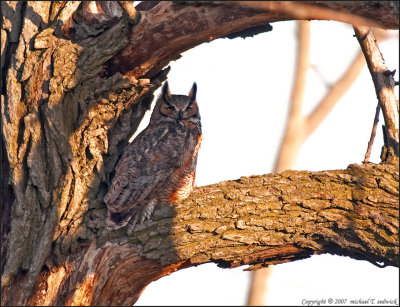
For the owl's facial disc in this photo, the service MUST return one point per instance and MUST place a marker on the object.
(181, 109)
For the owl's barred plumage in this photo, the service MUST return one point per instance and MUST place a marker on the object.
(159, 166)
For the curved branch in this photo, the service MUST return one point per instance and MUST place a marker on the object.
(354, 12)
(255, 221)
(167, 29)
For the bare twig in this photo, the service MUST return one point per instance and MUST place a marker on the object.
(373, 133)
(384, 87)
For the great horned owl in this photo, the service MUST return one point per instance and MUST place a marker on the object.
(159, 165)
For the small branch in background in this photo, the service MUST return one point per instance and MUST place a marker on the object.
(384, 87)
(373, 133)
(303, 65)
(336, 91)
(130, 11)
(258, 286)
(293, 137)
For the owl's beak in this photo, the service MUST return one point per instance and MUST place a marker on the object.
(180, 115)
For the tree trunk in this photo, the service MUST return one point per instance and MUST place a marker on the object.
(76, 81)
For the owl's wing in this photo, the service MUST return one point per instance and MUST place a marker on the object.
(146, 163)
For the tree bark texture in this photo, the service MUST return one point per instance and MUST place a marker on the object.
(257, 220)
(77, 78)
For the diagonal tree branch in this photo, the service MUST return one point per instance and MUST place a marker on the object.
(384, 87)
(373, 133)
(299, 127)
(341, 86)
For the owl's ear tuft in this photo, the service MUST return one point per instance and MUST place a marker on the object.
(166, 94)
(193, 91)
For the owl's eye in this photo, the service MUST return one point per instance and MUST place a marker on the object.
(170, 107)
(189, 108)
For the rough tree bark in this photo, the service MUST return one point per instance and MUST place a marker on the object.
(76, 80)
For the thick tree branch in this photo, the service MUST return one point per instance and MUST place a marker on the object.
(255, 220)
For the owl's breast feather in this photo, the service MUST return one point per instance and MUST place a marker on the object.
(186, 175)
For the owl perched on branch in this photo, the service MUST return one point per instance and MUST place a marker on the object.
(159, 165)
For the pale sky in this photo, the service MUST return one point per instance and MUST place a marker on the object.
(243, 92)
